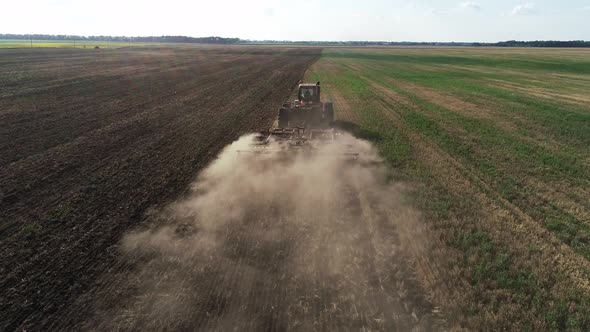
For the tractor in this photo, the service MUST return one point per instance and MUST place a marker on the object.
(305, 125)
(308, 110)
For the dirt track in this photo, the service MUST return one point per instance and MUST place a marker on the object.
(90, 139)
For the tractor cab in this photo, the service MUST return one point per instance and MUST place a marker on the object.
(309, 92)
(308, 110)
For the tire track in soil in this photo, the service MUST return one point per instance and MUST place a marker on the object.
(572, 200)
(501, 204)
(324, 249)
(553, 257)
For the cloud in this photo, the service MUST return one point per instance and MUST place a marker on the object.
(463, 7)
(470, 5)
(524, 9)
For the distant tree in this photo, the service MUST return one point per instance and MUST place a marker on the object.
(221, 40)
(151, 39)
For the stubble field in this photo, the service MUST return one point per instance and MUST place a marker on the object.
(496, 143)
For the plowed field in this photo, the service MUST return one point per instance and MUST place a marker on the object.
(90, 139)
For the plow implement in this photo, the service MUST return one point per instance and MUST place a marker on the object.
(300, 141)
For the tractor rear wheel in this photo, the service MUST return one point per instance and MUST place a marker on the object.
(283, 118)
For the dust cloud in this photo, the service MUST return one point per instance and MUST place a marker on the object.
(279, 239)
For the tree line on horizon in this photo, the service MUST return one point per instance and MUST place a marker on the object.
(222, 40)
(148, 39)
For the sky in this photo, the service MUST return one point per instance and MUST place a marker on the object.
(338, 20)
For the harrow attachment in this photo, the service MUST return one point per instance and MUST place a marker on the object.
(299, 140)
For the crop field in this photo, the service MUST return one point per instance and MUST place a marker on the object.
(126, 202)
(496, 143)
